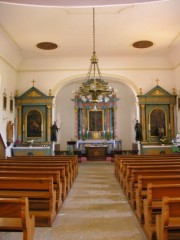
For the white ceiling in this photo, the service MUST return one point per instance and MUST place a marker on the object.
(71, 28)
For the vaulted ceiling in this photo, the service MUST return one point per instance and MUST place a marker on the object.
(118, 24)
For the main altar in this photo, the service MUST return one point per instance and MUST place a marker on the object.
(111, 145)
(96, 127)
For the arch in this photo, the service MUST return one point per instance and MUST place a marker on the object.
(109, 77)
(68, 112)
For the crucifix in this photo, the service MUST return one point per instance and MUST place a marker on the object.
(157, 80)
(33, 81)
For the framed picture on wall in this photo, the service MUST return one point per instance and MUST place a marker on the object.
(4, 101)
(11, 105)
(95, 121)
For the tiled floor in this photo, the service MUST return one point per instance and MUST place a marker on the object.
(95, 209)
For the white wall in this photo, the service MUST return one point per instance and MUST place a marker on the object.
(8, 85)
(126, 114)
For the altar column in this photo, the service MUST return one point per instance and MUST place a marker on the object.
(20, 127)
(115, 123)
(171, 124)
(143, 119)
(76, 123)
(107, 120)
(84, 123)
(48, 120)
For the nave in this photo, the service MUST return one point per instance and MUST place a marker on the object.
(95, 209)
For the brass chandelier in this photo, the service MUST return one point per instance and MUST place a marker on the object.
(94, 88)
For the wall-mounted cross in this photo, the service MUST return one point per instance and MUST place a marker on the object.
(33, 81)
(157, 80)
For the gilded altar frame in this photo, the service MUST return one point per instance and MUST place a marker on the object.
(34, 108)
(157, 109)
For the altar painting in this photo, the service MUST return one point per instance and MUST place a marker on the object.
(95, 120)
(34, 122)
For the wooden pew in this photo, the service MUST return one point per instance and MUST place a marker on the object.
(152, 204)
(37, 163)
(14, 216)
(124, 166)
(39, 174)
(156, 162)
(141, 190)
(119, 161)
(73, 159)
(168, 222)
(148, 172)
(37, 168)
(143, 167)
(39, 191)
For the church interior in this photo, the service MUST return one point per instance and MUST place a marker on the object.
(95, 85)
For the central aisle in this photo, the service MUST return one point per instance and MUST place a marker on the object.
(95, 208)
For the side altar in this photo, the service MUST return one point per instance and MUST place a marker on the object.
(32, 151)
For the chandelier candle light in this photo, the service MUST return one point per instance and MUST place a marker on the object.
(94, 89)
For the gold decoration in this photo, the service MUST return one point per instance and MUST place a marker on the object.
(174, 91)
(34, 94)
(157, 93)
(140, 91)
(16, 93)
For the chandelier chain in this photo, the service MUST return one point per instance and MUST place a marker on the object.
(94, 89)
(93, 30)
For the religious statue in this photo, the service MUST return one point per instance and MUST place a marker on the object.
(138, 129)
(54, 131)
(9, 132)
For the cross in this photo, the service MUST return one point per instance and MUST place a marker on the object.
(33, 81)
(157, 80)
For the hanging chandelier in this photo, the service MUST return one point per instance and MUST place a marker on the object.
(94, 88)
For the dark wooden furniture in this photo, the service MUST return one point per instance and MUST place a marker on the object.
(96, 152)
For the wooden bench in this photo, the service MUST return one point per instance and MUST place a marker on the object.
(73, 159)
(168, 222)
(132, 183)
(141, 190)
(24, 167)
(126, 181)
(39, 191)
(14, 216)
(40, 174)
(38, 163)
(119, 161)
(152, 204)
(126, 166)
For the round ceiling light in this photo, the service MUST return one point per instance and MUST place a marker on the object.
(47, 45)
(142, 44)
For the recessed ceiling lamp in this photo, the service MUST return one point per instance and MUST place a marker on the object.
(94, 88)
(142, 44)
(46, 45)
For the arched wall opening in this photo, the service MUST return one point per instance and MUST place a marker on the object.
(127, 109)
